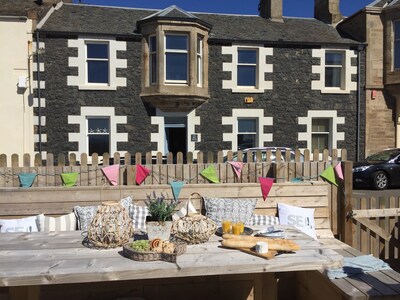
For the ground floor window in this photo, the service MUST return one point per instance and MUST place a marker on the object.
(98, 135)
(321, 134)
(247, 133)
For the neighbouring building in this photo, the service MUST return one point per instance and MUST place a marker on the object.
(140, 80)
(18, 19)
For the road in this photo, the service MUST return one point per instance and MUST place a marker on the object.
(376, 194)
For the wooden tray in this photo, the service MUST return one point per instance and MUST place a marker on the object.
(128, 252)
(269, 255)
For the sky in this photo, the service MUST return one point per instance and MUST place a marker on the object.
(291, 8)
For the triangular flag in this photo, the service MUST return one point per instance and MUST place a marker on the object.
(27, 179)
(112, 173)
(297, 179)
(339, 171)
(69, 179)
(266, 185)
(141, 174)
(210, 174)
(176, 188)
(329, 175)
(237, 167)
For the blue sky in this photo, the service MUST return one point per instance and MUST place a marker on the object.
(294, 8)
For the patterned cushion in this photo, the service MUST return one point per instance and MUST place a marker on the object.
(63, 223)
(138, 215)
(85, 214)
(235, 210)
(264, 220)
(18, 225)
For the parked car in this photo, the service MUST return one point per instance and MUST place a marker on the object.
(264, 151)
(379, 171)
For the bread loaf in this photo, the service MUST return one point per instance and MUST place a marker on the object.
(242, 241)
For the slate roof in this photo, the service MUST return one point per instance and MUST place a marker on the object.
(90, 19)
(20, 8)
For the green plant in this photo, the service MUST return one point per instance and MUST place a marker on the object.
(160, 208)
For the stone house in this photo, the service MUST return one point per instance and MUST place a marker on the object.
(140, 80)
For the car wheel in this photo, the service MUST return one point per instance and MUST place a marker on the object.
(380, 180)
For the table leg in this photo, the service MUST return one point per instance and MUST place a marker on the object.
(25, 292)
(265, 287)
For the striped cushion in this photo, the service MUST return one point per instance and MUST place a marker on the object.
(264, 220)
(63, 223)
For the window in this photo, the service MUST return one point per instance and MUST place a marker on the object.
(333, 69)
(153, 59)
(176, 58)
(247, 67)
(97, 63)
(320, 135)
(247, 133)
(397, 45)
(199, 61)
(98, 135)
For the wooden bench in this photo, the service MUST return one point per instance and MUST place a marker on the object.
(18, 202)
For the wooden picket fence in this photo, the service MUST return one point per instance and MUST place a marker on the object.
(374, 223)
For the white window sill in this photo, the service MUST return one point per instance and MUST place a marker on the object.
(247, 90)
(334, 91)
(97, 87)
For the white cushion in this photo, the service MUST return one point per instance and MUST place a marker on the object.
(63, 223)
(184, 211)
(18, 225)
(301, 218)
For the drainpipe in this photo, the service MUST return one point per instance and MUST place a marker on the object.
(358, 117)
(38, 93)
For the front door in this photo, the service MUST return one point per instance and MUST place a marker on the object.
(175, 135)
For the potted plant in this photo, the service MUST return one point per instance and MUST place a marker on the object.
(159, 220)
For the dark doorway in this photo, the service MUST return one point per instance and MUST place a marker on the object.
(176, 135)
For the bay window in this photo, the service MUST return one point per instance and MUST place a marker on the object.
(176, 58)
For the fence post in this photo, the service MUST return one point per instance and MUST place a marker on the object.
(346, 203)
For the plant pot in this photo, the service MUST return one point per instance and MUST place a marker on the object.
(158, 230)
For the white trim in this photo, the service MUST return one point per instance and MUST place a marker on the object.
(35, 84)
(247, 113)
(48, 14)
(42, 121)
(262, 68)
(36, 102)
(41, 66)
(81, 136)
(36, 138)
(80, 63)
(329, 114)
(348, 70)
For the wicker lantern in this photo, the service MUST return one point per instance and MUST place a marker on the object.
(111, 226)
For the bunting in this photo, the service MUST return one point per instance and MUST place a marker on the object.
(69, 179)
(141, 174)
(111, 173)
(210, 174)
(329, 175)
(26, 179)
(339, 171)
(266, 185)
(176, 188)
(237, 167)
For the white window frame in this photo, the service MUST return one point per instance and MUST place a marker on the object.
(396, 42)
(89, 134)
(262, 68)
(255, 65)
(199, 61)
(187, 52)
(88, 60)
(324, 133)
(341, 67)
(347, 85)
(255, 133)
(151, 55)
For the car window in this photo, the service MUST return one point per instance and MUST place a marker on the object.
(383, 156)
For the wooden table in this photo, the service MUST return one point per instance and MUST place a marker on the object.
(30, 262)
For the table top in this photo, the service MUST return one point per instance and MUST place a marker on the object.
(61, 257)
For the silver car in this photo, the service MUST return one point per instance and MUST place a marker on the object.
(264, 150)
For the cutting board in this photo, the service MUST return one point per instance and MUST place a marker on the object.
(269, 255)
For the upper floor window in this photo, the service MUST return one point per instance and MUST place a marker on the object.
(321, 134)
(396, 45)
(98, 135)
(247, 133)
(334, 69)
(247, 67)
(199, 60)
(97, 63)
(176, 58)
(153, 58)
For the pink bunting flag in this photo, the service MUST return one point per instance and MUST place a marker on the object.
(141, 174)
(266, 185)
(111, 173)
(237, 167)
(339, 171)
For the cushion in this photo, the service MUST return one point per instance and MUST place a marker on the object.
(138, 214)
(184, 210)
(301, 218)
(264, 220)
(18, 225)
(85, 214)
(235, 210)
(63, 223)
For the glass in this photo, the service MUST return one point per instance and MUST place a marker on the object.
(176, 66)
(226, 226)
(98, 71)
(332, 58)
(333, 77)
(241, 226)
(236, 227)
(97, 51)
(247, 56)
(178, 42)
(246, 76)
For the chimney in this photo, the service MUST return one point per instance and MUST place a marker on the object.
(327, 11)
(271, 9)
